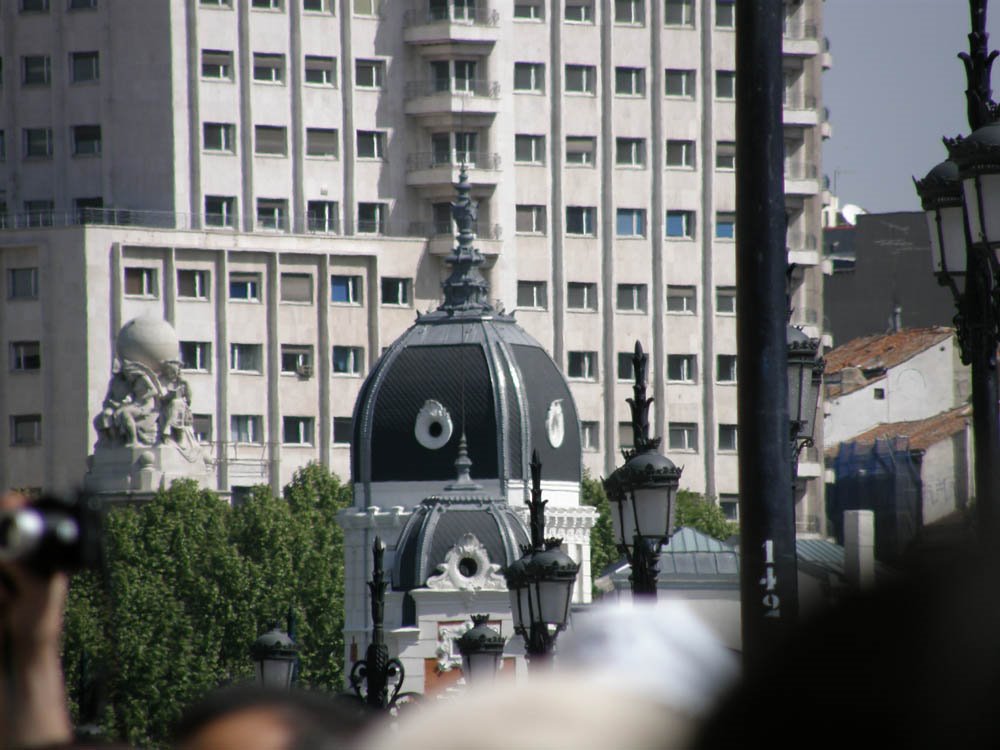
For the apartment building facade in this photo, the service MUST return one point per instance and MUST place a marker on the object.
(273, 177)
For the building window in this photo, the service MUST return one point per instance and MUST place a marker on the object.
(725, 84)
(630, 298)
(247, 428)
(529, 77)
(201, 425)
(681, 368)
(879, 394)
(297, 360)
(25, 356)
(321, 71)
(323, 216)
(529, 219)
(725, 300)
(626, 370)
(22, 283)
(680, 224)
(395, 291)
(82, 4)
(626, 436)
(725, 225)
(39, 213)
(244, 287)
(36, 70)
(590, 436)
(679, 83)
(266, 4)
(3, 146)
(314, 6)
(88, 210)
(196, 355)
(141, 282)
(529, 149)
(725, 155)
(348, 360)
(630, 152)
(296, 287)
(630, 222)
(345, 290)
(532, 295)
(581, 79)
(371, 144)
(217, 64)
(297, 430)
(220, 211)
(727, 437)
(323, 142)
(454, 75)
(630, 81)
(25, 429)
(680, 154)
(246, 358)
(219, 136)
(371, 218)
(730, 505)
(369, 74)
(579, 11)
(37, 143)
(630, 11)
(725, 14)
(725, 368)
(86, 140)
(84, 67)
(529, 11)
(682, 300)
(271, 140)
(683, 436)
(678, 13)
(580, 150)
(582, 365)
(343, 430)
(216, 3)
(268, 68)
(581, 220)
(192, 284)
(581, 295)
(272, 213)
(34, 6)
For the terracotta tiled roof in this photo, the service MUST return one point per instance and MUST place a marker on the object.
(873, 355)
(921, 433)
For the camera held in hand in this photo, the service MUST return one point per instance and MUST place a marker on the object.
(53, 534)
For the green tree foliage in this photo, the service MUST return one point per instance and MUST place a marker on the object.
(189, 584)
(697, 512)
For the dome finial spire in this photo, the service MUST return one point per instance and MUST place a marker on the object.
(463, 467)
(465, 289)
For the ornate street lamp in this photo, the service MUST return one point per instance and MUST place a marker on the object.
(541, 581)
(377, 679)
(961, 199)
(274, 655)
(805, 376)
(643, 492)
(481, 648)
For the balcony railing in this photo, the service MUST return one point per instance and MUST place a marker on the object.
(793, 100)
(801, 31)
(454, 86)
(482, 230)
(431, 159)
(801, 241)
(801, 171)
(450, 14)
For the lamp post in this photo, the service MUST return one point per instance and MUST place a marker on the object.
(643, 491)
(274, 654)
(373, 677)
(805, 376)
(961, 199)
(481, 648)
(540, 581)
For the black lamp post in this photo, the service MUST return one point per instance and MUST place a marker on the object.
(643, 492)
(540, 581)
(805, 376)
(373, 677)
(961, 198)
(274, 655)
(481, 648)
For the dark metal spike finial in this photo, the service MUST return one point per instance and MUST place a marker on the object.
(978, 61)
(465, 288)
(639, 405)
(536, 505)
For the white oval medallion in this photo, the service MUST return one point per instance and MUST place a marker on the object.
(555, 423)
(433, 427)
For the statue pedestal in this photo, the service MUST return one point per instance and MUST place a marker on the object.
(125, 474)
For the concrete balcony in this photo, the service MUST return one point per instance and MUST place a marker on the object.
(799, 111)
(801, 179)
(803, 249)
(447, 99)
(441, 240)
(801, 40)
(429, 169)
(450, 25)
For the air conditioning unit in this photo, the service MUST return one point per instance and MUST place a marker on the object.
(304, 371)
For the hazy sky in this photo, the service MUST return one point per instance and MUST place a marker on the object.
(896, 86)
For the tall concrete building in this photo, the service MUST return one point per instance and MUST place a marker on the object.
(273, 178)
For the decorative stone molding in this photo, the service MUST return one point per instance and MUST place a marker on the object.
(446, 652)
(466, 567)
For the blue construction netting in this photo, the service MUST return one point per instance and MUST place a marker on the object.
(884, 478)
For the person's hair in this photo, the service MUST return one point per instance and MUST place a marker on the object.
(316, 720)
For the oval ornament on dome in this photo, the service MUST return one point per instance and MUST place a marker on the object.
(555, 423)
(433, 428)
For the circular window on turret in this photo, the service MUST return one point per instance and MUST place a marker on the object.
(433, 427)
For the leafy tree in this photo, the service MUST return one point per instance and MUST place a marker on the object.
(603, 548)
(697, 512)
(189, 584)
